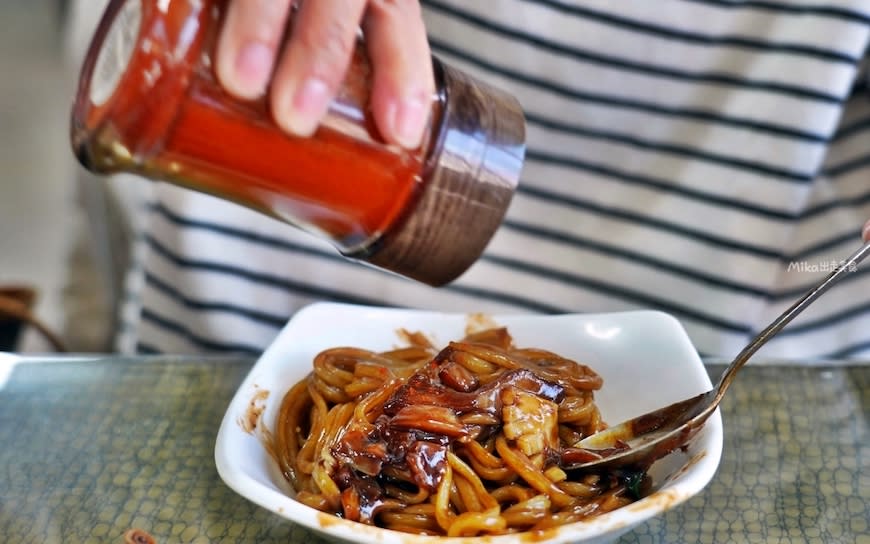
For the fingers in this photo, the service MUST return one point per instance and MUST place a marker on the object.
(403, 80)
(314, 63)
(248, 45)
(866, 231)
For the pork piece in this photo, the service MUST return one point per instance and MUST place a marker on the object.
(530, 421)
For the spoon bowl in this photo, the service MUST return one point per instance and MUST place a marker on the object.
(644, 439)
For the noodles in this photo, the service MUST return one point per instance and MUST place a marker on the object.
(475, 439)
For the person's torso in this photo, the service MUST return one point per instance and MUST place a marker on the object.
(682, 155)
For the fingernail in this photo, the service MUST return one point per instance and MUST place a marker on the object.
(253, 66)
(866, 232)
(307, 106)
(408, 122)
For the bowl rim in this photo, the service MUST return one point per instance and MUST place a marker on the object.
(699, 473)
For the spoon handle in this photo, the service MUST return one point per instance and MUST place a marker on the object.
(849, 265)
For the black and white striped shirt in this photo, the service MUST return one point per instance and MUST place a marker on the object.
(708, 158)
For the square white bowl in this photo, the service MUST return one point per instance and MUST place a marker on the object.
(645, 359)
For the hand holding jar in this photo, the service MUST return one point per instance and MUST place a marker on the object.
(397, 159)
(310, 64)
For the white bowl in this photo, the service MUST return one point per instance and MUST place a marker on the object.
(645, 359)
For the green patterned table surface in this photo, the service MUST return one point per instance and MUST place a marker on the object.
(90, 449)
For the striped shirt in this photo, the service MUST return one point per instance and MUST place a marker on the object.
(707, 158)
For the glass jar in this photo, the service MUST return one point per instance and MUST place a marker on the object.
(149, 102)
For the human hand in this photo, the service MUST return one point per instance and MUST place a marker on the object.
(866, 231)
(304, 78)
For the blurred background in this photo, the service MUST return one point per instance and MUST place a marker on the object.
(37, 169)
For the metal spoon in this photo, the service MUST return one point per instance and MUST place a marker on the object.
(644, 439)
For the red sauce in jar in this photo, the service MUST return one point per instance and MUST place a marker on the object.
(149, 102)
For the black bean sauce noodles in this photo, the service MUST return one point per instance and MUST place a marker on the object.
(470, 440)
